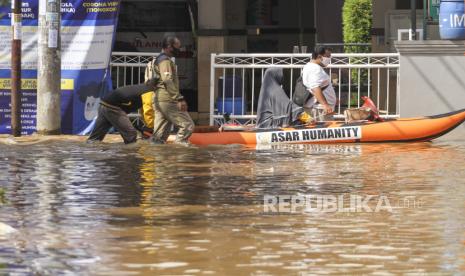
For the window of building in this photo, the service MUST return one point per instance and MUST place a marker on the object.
(262, 12)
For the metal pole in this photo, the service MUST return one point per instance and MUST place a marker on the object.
(301, 29)
(315, 20)
(16, 69)
(425, 18)
(413, 4)
(49, 69)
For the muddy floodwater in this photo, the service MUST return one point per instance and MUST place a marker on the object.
(67, 208)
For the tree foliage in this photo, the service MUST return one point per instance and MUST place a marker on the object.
(357, 22)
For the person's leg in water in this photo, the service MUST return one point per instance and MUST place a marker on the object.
(120, 120)
(180, 119)
(101, 128)
(185, 125)
(161, 126)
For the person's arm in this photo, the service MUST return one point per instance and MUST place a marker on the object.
(166, 75)
(318, 93)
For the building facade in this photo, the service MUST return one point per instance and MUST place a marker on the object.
(225, 26)
(251, 26)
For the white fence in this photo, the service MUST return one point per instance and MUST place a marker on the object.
(342, 47)
(235, 82)
(128, 68)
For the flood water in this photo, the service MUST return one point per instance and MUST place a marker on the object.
(165, 210)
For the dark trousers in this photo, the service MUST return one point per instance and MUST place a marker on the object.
(113, 117)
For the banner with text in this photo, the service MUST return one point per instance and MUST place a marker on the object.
(87, 35)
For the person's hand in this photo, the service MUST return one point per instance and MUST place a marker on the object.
(182, 106)
(328, 109)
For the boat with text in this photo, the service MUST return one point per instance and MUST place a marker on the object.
(388, 131)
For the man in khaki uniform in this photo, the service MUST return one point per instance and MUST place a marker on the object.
(169, 105)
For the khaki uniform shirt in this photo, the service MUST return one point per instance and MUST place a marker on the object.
(167, 88)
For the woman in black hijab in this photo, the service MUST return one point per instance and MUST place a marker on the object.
(275, 109)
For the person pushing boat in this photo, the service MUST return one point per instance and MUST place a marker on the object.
(114, 109)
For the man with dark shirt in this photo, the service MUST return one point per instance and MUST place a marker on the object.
(113, 111)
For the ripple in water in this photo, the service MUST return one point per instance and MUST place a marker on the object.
(110, 209)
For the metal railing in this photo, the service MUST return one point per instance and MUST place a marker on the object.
(343, 47)
(128, 68)
(236, 78)
(239, 76)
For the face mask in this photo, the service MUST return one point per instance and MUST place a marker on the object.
(175, 52)
(326, 61)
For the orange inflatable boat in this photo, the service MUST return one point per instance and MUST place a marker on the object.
(389, 131)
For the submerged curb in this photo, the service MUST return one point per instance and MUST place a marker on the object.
(35, 139)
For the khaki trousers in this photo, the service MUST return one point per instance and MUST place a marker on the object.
(167, 114)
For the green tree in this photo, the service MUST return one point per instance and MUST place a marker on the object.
(357, 22)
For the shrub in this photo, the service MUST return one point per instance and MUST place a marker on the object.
(357, 22)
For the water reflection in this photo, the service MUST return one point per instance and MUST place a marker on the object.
(109, 209)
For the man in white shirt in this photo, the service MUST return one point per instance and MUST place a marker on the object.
(318, 82)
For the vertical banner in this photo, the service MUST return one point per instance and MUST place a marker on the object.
(87, 34)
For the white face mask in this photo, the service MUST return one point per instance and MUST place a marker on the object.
(326, 61)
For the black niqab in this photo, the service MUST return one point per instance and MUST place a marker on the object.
(275, 109)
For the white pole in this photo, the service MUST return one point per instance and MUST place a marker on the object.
(212, 88)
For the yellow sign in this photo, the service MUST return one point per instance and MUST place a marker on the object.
(31, 84)
(67, 84)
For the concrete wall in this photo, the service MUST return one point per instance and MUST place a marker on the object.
(380, 7)
(432, 78)
(211, 14)
(211, 18)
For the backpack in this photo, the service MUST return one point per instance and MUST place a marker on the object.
(152, 77)
(301, 94)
